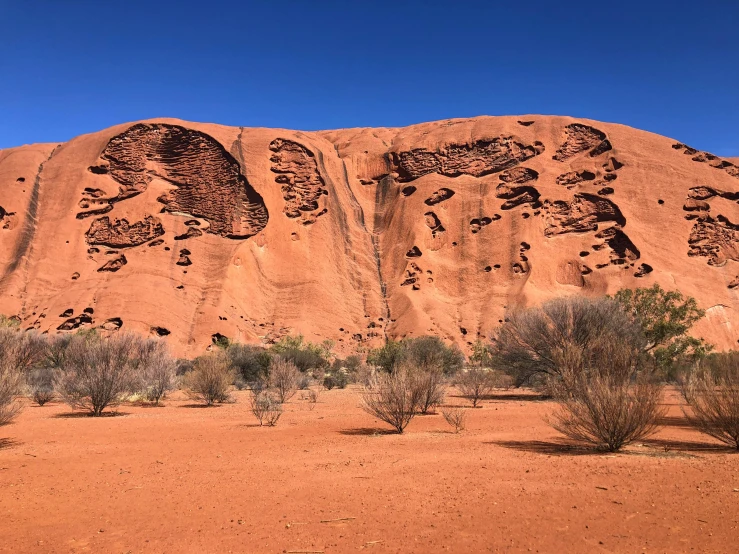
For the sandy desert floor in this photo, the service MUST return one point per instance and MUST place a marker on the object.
(186, 479)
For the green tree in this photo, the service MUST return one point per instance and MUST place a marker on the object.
(387, 356)
(304, 354)
(422, 352)
(482, 355)
(666, 317)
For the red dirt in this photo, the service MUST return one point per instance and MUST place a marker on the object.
(185, 479)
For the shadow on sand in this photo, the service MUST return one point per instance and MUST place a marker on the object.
(688, 446)
(367, 431)
(75, 415)
(675, 421)
(8, 443)
(549, 447)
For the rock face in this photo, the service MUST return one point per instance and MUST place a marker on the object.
(192, 231)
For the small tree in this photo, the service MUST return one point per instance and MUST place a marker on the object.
(157, 370)
(607, 397)
(387, 356)
(266, 407)
(395, 398)
(97, 372)
(210, 379)
(477, 383)
(284, 378)
(665, 317)
(712, 392)
(456, 417)
(482, 355)
(430, 352)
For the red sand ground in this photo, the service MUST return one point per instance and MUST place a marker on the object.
(186, 479)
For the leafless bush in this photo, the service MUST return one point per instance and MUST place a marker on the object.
(364, 375)
(210, 379)
(526, 343)
(304, 381)
(311, 395)
(42, 384)
(395, 398)
(157, 369)
(42, 379)
(266, 407)
(607, 401)
(456, 417)
(712, 393)
(97, 373)
(477, 383)
(431, 387)
(11, 383)
(284, 378)
(19, 352)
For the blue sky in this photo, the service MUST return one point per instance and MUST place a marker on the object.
(75, 67)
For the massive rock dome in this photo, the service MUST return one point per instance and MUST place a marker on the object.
(194, 231)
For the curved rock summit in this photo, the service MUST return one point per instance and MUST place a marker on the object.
(194, 231)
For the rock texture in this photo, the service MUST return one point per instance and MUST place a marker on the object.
(192, 231)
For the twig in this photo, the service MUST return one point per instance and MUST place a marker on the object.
(601, 488)
(337, 519)
(27, 454)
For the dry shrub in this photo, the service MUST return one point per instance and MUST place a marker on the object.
(19, 353)
(304, 381)
(607, 398)
(311, 395)
(456, 417)
(431, 387)
(42, 379)
(157, 370)
(338, 379)
(97, 373)
(210, 379)
(712, 393)
(284, 377)
(42, 384)
(526, 344)
(364, 375)
(11, 384)
(394, 398)
(477, 383)
(266, 407)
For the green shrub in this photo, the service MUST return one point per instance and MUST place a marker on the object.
(419, 352)
(251, 363)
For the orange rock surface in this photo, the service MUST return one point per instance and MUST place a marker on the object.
(191, 230)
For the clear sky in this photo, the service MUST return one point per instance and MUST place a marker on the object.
(70, 67)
